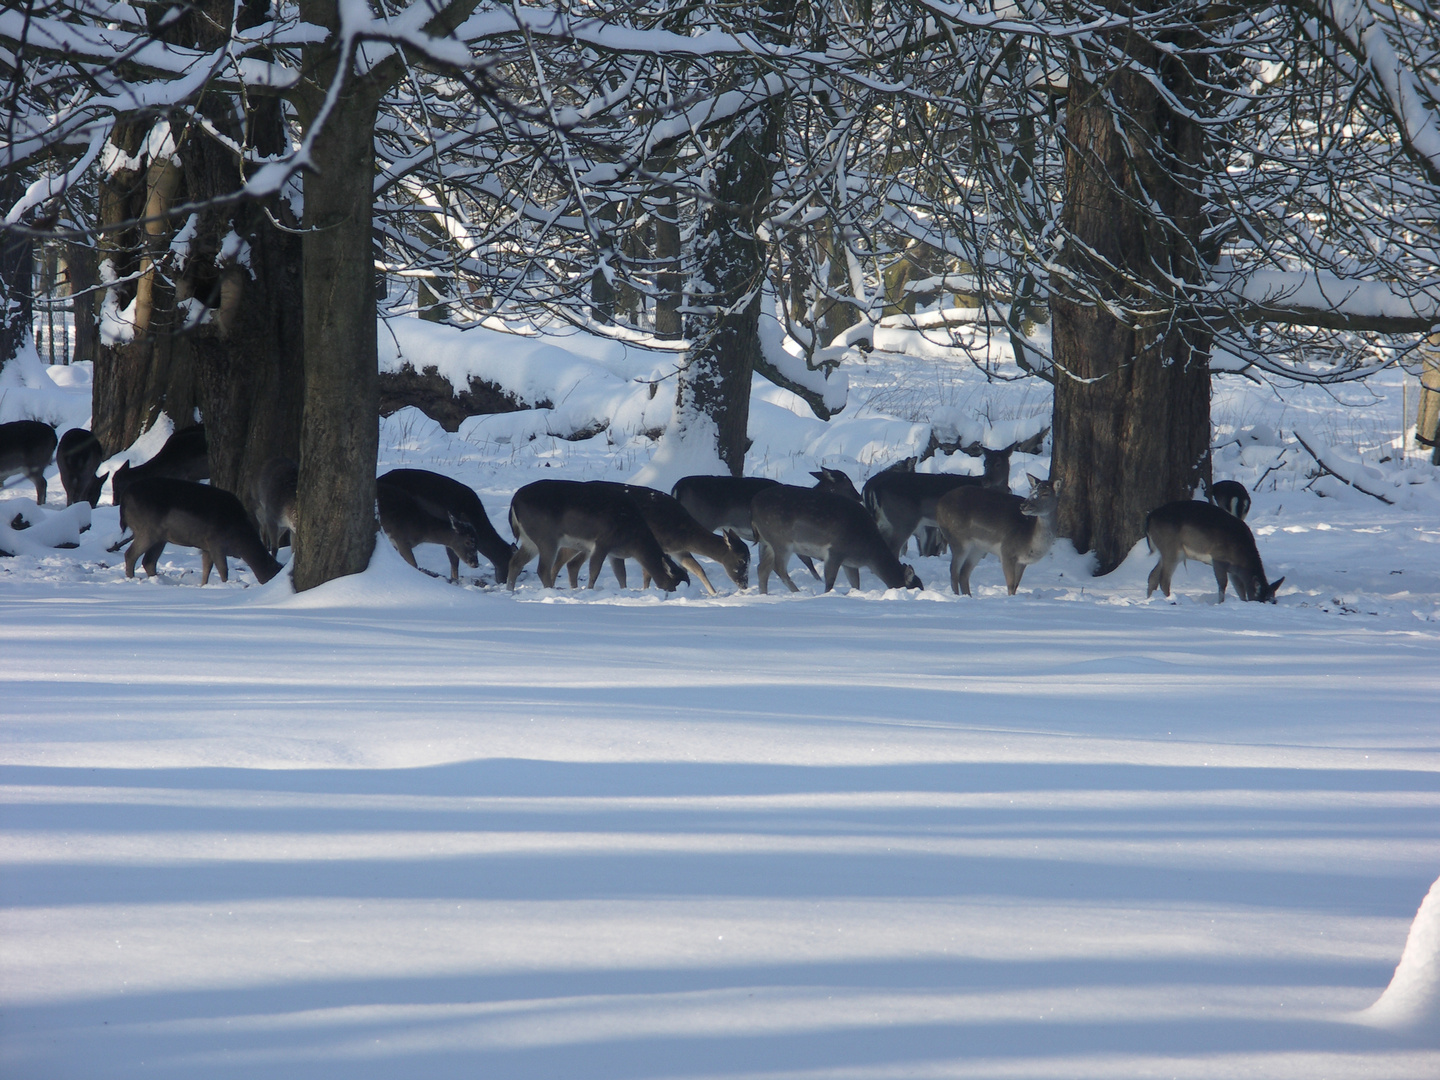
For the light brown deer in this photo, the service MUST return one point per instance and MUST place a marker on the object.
(556, 518)
(979, 522)
(1196, 530)
(820, 525)
(160, 511)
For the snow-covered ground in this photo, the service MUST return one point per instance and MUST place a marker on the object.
(394, 828)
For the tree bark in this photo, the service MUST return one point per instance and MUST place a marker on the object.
(16, 269)
(340, 435)
(730, 268)
(1132, 381)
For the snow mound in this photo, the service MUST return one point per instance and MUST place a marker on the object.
(48, 529)
(1412, 1000)
(388, 582)
(29, 391)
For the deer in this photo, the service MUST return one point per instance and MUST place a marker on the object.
(904, 502)
(26, 449)
(185, 456)
(274, 494)
(442, 496)
(1230, 496)
(160, 510)
(411, 516)
(822, 525)
(681, 537)
(979, 521)
(554, 518)
(79, 456)
(723, 502)
(1185, 530)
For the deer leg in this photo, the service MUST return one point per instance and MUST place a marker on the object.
(407, 551)
(454, 566)
(767, 564)
(782, 569)
(689, 562)
(1222, 577)
(1014, 568)
(524, 552)
(222, 564)
(152, 557)
(808, 566)
(1154, 582)
(131, 554)
(597, 564)
(832, 570)
(205, 563)
(39, 478)
(617, 565)
(852, 574)
(548, 566)
(967, 566)
(572, 565)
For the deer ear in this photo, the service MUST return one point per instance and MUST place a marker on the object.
(1035, 481)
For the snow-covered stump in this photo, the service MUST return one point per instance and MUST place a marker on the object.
(1411, 1003)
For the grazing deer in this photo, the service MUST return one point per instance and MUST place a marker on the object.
(185, 456)
(1196, 530)
(803, 521)
(681, 537)
(441, 496)
(78, 457)
(1018, 531)
(553, 518)
(274, 493)
(904, 502)
(1230, 496)
(26, 448)
(723, 502)
(160, 510)
(410, 520)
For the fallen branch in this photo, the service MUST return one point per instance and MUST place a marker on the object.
(1331, 471)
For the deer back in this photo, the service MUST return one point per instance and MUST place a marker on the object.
(185, 456)
(721, 502)
(188, 514)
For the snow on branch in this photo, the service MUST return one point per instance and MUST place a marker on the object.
(1319, 298)
(1352, 473)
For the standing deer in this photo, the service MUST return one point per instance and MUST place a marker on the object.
(1230, 496)
(820, 525)
(553, 518)
(1196, 530)
(681, 537)
(185, 456)
(274, 493)
(440, 497)
(26, 448)
(903, 503)
(78, 457)
(1018, 531)
(161, 510)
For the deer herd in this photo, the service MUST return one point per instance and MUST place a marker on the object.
(565, 523)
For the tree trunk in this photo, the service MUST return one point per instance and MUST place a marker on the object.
(730, 269)
(340, 437)
(80, 257)
(1132, 382)
(669, 283)
(16, 270)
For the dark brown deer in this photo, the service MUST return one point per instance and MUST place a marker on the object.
(274, 493)
(440, 497)
(681, 537)
(1018, 531)
(78, 457)
(410, 521)
(556, 518)
(903, 502)
(185, 456)
(821, 525)
(160, 510)
(1231, 496)
(27, 448)
(1196, 530)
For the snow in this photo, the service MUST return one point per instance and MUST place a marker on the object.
(392, 827)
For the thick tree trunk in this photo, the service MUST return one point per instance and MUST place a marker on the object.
(80, 257)
(1132, 382)
(730, 267)
(340, 436)
(669, 283)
